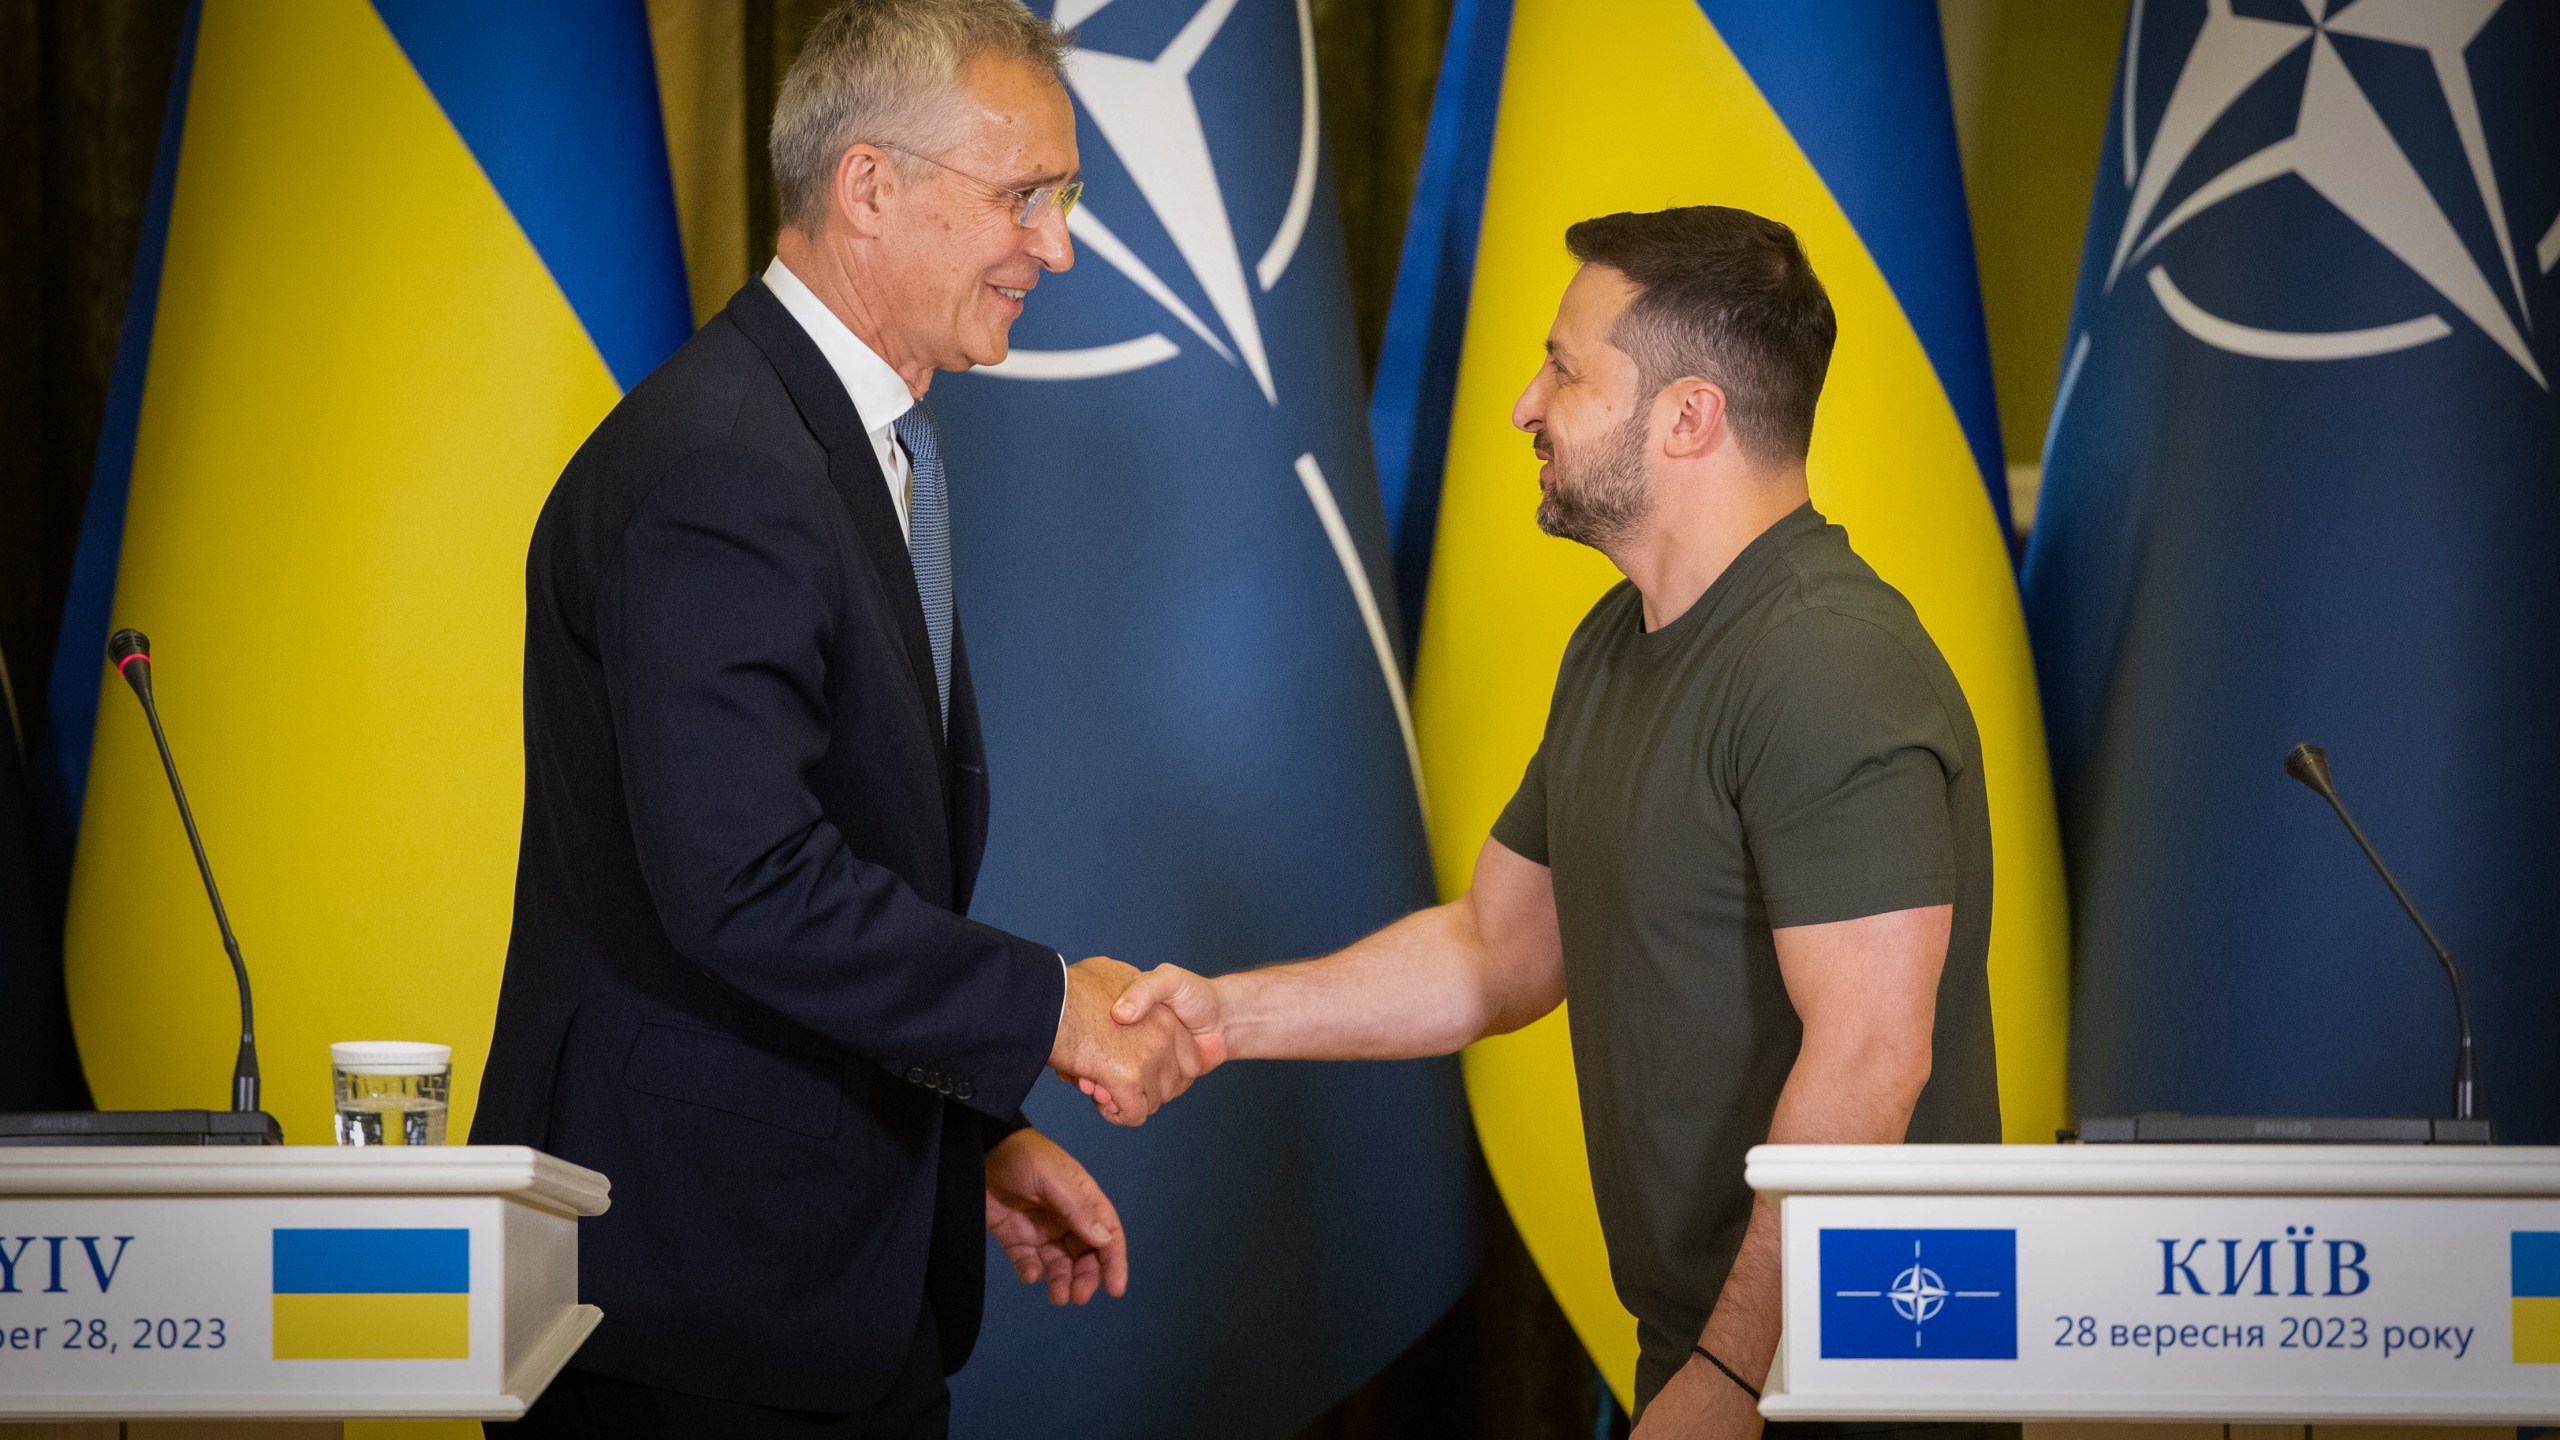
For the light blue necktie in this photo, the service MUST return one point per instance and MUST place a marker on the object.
(929, 539)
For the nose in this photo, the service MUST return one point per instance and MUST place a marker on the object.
(1529, 412)
(1048, 242)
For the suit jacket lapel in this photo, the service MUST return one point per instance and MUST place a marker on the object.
(853, 467)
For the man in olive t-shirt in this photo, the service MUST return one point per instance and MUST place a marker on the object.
(1752, 846)
(1791, 751)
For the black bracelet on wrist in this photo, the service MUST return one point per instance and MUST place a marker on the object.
(1747, 1387)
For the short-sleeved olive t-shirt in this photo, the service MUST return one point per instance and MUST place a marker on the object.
(1791, 751)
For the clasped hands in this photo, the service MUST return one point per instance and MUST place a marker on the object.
(1134, 1041)
(1046, 1211)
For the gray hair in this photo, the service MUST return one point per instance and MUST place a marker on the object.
(886, 70)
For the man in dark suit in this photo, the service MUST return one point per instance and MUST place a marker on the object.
(741, 981)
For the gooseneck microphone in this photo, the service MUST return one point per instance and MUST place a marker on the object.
(130, 652)
(2309, 764)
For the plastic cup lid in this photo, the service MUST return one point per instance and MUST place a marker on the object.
(391, 1057)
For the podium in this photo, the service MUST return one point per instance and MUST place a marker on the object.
(280, 1283)
(2250, 1283)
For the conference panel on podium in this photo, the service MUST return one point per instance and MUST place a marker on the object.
(216, 1282)
(2415, 1284)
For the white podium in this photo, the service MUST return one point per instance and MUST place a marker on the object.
(287, 1282)
(2372, 1284)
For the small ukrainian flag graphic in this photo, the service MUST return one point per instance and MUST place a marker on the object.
(2534, 1270)
(372, 1294)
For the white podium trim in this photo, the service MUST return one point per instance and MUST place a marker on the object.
(2378, 1170)
(543, 1364)
(513, 1171)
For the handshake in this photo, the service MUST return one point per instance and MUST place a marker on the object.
(1133, 1040)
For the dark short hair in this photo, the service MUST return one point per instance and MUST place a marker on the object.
(1728, 297)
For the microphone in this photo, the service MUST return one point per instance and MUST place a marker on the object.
(130, 652)
(2309, 764)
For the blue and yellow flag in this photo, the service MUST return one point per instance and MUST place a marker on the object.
(414, 251)
(2301, 484)
(361, 1294)
(2533, 1282)
(1836, 121)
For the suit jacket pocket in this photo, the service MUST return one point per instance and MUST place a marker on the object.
(707, 1068)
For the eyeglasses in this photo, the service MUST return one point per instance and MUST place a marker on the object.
(1030, 206)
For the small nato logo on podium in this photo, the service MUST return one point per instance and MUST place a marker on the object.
(1919, 1294)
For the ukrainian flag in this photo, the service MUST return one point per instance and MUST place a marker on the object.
(1835, 120)
(402, 257)
(372, 1295)
(2534, 1283)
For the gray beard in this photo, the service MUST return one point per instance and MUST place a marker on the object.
(1603, 499)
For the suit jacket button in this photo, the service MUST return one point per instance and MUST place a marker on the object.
(964, 1091)
(915, 1074)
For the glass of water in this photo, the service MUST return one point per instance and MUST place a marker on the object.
(392, 1092)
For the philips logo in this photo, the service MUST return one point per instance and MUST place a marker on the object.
(1919, 1294)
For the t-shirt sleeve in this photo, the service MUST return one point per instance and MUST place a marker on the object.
(1843, 760)
(1522, 826)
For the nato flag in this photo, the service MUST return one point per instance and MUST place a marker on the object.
(2303, 483)
(1918, 1294)
(1173, 577)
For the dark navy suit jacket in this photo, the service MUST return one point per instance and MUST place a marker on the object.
(740, 981)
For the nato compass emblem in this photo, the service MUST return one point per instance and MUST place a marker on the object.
(1149, 115)
(2382, 84)
(1919, 1294)
(1169, 212)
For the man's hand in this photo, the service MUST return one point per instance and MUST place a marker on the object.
(1699, 1403)
(1053, 1221)
(1191, 1000)
(1490, 961)
(1130, 1070)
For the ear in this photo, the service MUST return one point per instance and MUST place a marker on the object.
(861, 188)
(1697, 422)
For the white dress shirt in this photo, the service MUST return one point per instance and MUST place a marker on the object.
(877, 392)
